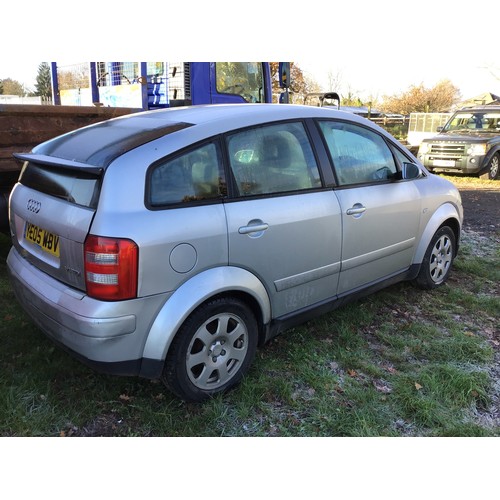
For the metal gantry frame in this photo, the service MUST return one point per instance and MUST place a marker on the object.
(94, 81)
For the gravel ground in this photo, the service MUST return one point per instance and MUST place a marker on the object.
(482, 232)
(481, 209)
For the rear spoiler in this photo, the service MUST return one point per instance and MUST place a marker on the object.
(58, 162)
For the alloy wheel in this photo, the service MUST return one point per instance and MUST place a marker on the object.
(217, 350)
(441, 258)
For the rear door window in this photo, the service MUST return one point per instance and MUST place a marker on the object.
(273, 159)
(195, 175)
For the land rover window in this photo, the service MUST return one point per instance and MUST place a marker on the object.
(478, 121)
(273, 159)
(359, 155)
(192, 176)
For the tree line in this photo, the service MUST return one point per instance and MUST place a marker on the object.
(43, 85)
(418, 98)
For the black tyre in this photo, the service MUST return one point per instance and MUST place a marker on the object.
(212, 351)
(438, 259)
(492, 171)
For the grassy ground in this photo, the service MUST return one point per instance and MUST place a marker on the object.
(400, 363)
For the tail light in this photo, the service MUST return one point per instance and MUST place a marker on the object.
(111, 268)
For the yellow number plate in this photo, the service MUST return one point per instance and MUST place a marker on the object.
(48, 242)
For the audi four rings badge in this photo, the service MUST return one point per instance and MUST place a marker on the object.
(34, 206)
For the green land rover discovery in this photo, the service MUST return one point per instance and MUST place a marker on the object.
(469, 144)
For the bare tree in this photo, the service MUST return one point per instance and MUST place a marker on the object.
(74, 76)
(439, 98)
(335, 82)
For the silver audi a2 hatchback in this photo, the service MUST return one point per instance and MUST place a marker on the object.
(170, 244)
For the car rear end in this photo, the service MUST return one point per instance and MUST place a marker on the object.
(80, 288)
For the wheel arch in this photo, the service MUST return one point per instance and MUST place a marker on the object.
(485, 167)
(494, 150)
(454, 225)
(217, 282)
(446, 215)
(255, 307)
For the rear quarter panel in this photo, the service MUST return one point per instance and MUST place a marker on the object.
(174, 243)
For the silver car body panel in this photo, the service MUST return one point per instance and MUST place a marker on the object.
(389, 225)
(444, 213)
(297, 254)
(436, 210)
(175, 245)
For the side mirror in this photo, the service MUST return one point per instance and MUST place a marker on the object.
(439, 129)
(284, 74)
(284, 80)
(410, 171)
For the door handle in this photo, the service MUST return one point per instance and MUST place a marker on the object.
(356, 209)
(253, 228)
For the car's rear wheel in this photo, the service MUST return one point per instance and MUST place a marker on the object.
(438, 259)
(492, 171)
(212, 350)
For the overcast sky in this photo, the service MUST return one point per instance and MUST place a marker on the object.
(372, 48)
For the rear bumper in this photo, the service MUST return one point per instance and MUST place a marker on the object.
(109, 336)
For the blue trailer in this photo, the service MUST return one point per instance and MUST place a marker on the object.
(150, 85)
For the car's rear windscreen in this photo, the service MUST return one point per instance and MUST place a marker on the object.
(73, 185)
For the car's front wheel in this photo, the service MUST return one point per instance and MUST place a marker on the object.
(492, 171)
(438, 259)
(212, 350)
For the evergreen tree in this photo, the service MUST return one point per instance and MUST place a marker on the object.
(43, 86)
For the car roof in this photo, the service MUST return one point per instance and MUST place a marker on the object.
(99, 144)
(230, 116)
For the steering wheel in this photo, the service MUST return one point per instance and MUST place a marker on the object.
(239, 89)
(234, 89)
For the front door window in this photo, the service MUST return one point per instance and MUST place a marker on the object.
(359, 155)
